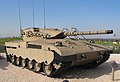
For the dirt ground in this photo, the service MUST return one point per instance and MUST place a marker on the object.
(102, 73)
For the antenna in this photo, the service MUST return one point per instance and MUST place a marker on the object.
(44, 14)
(19, 12)
(33, 16)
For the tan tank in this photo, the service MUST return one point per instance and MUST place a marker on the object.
(50, 51)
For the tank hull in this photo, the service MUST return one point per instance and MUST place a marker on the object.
(56, 55)
(79, 60)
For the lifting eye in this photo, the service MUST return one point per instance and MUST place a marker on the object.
(19, 46)
(83, 56)
(58, 43)
(49, 48)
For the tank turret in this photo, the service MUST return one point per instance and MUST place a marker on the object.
(38, 33)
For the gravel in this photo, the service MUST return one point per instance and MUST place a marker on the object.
(102, 73)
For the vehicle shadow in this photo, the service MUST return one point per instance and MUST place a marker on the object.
(78, 72)
(117, 80)
(3, 64)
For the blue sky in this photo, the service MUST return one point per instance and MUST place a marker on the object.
(82, 14)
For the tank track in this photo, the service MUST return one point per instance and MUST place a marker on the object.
(55, 72)
(62, 69)
(64, 66)
(97, 63)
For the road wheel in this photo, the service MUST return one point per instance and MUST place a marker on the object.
(23, 63)
(37, 67)
(48, 69)
(30, 64)
(12, 59)
(17, 61)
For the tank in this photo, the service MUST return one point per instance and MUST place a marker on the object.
(52, 51)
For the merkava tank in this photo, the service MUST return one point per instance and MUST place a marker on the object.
(49, 51)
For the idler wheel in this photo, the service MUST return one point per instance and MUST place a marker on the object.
(30, 64)
(23, 63)
(37, 67)
(48, 69)
(8, 58)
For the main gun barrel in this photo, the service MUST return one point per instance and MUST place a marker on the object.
(70, 33)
